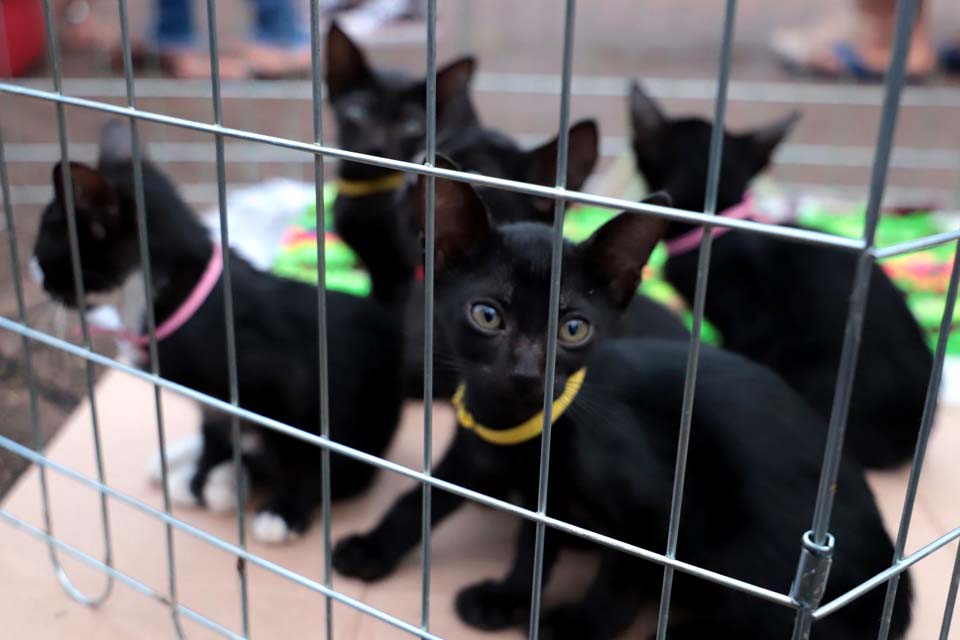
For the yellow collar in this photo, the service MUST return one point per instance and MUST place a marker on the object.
(359, 188)
(527, 430)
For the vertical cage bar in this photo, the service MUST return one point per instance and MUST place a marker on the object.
(428, 305)
(699, 299)
(144, 247)
(318, 176)
(553, 314)
(926, 423)
(27, 350)
(896, 74)
(228, 314)
(90, 374)
(951, 598)
(888, 122)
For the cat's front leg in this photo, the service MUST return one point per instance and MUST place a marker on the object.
(610, 605)
(492, 605)
(375, 554)
(208, 480)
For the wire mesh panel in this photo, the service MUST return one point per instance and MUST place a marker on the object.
(815, 548)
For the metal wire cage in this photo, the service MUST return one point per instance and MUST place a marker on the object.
(814, 547)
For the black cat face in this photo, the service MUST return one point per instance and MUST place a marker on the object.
(672, 154)
(106, 237)
(493, 296)
(384, 114)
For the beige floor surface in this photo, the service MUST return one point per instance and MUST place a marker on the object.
(474, 544)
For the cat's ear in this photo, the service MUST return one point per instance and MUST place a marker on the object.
(347, 66)
(461, 220)
(646, 121)
(616, 252)
(582, 153)
(116, 143)
(453, 80)
(94, 200)
(766, 139)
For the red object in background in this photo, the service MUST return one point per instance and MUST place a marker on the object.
(21, 36)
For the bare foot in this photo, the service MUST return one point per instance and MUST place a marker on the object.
(278, 62)
(81, 28)
(827, 47)
(186, 64)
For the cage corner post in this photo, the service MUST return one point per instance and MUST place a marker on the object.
(893, 85)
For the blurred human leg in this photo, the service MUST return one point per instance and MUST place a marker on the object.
(281, 39)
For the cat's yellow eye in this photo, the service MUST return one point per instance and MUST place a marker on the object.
(485, 316)
(574, 331)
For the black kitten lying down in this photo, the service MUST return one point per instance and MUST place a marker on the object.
(754, 454)
(382, 113)
(784, 304)
(276, 342)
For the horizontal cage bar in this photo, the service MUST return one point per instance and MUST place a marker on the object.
(335, 447)
(786, 233)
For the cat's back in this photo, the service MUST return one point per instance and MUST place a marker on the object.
(805, 290)
(741, 412)
(753, 468)
(651, 371)
(744, 416)
(280, 317)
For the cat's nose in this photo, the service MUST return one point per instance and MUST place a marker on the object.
(527, 363)
(526, 374)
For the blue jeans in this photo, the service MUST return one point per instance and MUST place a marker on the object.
(278, 23)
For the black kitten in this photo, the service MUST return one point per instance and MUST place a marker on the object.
(382, 113)
(754, 453)
(785, 304)
(276, 341)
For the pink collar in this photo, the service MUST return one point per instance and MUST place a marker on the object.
(184, 312)
(684, 243)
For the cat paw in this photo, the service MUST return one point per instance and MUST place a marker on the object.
(181, 452)
(220, 491)
(270, 528)
(490, 607)
(565, 622)
(180, 481)
(359, 557)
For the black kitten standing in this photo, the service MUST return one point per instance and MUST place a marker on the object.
(276, 341)
(784, 304)
(382, 113)
(754, 453)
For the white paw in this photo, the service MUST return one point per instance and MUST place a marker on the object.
(220, 490)
(183, 451)
(180, 493)
(35, 270)
(270, 528)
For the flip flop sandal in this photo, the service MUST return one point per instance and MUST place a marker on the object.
(850, 63)
(950, 58)
(851, 66)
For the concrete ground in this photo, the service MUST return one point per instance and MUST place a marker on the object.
(473, 545)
